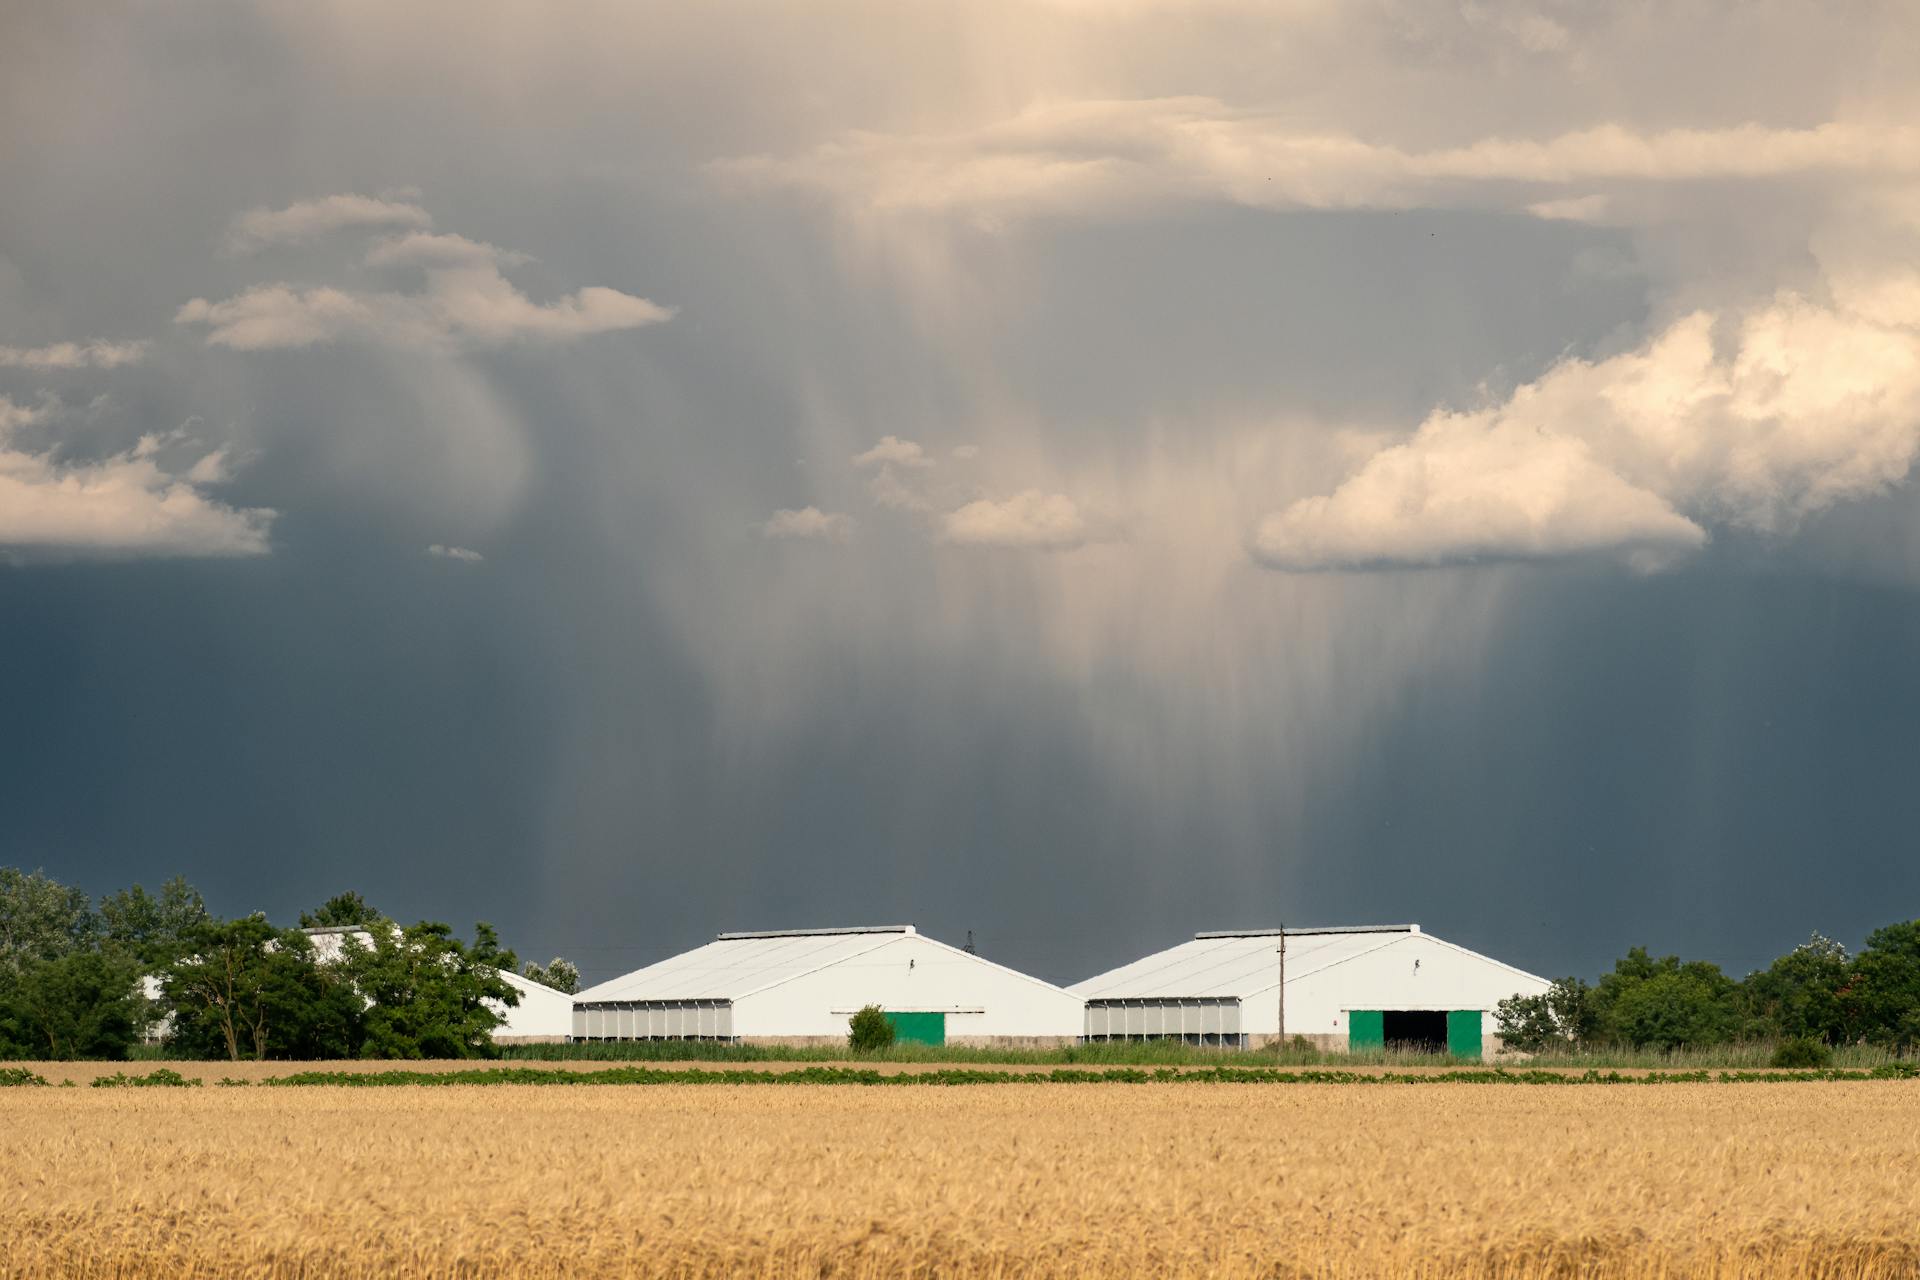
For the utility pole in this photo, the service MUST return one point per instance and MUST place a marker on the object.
(1280, 1027)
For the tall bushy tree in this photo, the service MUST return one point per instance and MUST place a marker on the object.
(1886, 982)
(1666, 1004)
(1806, 994)
(84, 1004)
(152, 927)
(41, 919)
(429, 995)
(239, 981)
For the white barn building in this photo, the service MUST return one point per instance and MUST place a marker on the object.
(543, 1016)
(1346, 988)
(802, 986)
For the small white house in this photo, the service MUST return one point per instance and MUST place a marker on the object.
(1346, 988)
(802, 986)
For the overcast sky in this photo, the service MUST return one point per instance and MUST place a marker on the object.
(1081, 471)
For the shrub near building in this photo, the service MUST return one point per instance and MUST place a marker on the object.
(869, 1030)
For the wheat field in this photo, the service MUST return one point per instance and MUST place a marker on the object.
(1719, 1180)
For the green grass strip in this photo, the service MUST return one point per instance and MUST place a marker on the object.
(1746, 1056)
(1116, 1075)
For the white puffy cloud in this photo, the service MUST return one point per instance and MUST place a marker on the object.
(466, 301)
(18, 415)
(893, 451)
(213, 468)
(808, 523)
(1029, 521)
(466, 555)
(73, 355)
(1807, 406)
(1114, 156)
(479, 305)
(1465, 490)
(904, 479)
(276, 316)
(899, 482)
(438, 249)
(123, 505)
(310, 219)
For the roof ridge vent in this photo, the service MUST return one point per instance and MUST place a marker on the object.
(1296, 933)
(816, 933)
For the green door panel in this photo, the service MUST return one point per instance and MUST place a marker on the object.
(1366, 1029)
(1463, 1033)
(919, 1028)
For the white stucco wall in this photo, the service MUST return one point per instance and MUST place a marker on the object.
(912, 973)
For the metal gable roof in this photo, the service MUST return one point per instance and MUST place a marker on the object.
(1236, 965)
(738, 964)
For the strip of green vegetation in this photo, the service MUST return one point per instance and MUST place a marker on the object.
(164, 1078)
(20, 1078)
(1753, 1055)
(1113, 1075)
(1137, 1053)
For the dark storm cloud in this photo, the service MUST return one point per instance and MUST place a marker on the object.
(1029, 680)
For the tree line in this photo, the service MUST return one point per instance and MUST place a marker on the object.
(1815, 997)
(80, 979)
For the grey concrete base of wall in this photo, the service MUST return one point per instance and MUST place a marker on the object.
(964, 1042)
(1325, 1043)
(1334, 1043)
(533, 1039)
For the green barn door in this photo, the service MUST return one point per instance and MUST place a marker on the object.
(919, 1028)
(1366, 1029)
(1463, 1033)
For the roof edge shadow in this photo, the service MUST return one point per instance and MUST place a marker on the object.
(816, 933)
(1300, 933)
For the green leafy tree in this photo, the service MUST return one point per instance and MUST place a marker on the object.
(1805, 994)
(560, 974)
(152, 927)
(1666, 1004)
(870, 1030)
(232, 982)
(1575, 1010)
(84, 1004)
(40, 919)
(315, 1011)
(291, 1005)
(429, 995)
(1560, 1017)
(1886, 983)
(341, 909)
(1526, 1023)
